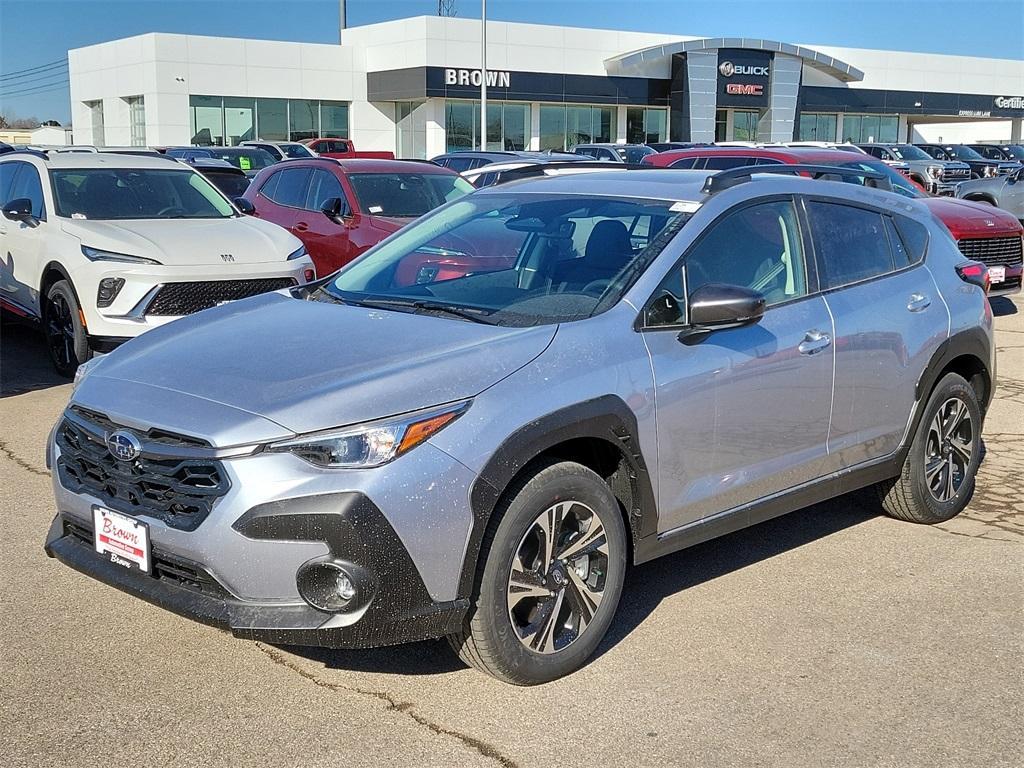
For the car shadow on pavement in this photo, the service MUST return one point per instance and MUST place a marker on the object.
(24, 363)
(1003, 306)
(646, 585)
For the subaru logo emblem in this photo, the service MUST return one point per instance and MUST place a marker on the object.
(123, 445)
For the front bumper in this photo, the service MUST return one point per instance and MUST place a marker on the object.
(395, 608)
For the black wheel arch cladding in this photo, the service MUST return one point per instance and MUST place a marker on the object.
(605, 418)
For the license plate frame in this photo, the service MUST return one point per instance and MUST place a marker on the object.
(123, 539)
(997, 274)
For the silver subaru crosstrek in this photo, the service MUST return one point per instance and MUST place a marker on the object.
(472, 429)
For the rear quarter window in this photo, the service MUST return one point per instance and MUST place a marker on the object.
(914, 237)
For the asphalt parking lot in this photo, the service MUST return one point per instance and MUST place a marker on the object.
(833, 636)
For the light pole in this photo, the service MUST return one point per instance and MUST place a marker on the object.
(483, 75)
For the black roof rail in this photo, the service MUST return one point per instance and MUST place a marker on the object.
(734, 176)
(34, 152)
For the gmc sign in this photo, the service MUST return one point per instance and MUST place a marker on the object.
(744, 89)
(744, 77)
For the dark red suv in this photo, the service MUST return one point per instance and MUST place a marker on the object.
(983, 233)
(339, 208)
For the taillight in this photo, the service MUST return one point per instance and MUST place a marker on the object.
(974, 272)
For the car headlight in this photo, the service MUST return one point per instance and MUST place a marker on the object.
(372, 444)
(936, 171)
(95, 254)
(84, 370)
(298, 253)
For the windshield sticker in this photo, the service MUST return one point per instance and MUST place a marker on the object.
(78, 216)
(684, 206)
(375, 209)
(244, 163)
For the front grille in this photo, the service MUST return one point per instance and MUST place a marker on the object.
(153, 435)
(993, 251)
(956, 173)
(182, 573)
(179, 492)
(186, 298)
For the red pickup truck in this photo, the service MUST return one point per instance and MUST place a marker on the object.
(342, 149)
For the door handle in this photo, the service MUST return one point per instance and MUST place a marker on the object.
(301, 226)
(814, 342)
(918, 302)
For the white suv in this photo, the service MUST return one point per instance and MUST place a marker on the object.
(102, 247)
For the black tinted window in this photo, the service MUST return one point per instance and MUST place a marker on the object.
(851, 243)
(686, 162)
(914, 236)
(291, 187)
(724, 163)
(322, 187)
(459, 164)
(27, 184)
(756, 247)
(7, 171)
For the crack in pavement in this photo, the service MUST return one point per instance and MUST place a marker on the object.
(405, 708)
(10, 454)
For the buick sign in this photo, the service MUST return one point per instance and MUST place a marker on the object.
(728, 69)
(123, 445)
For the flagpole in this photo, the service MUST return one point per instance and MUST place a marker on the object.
(483, 75)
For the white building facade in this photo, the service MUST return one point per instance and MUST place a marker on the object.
(413, 86)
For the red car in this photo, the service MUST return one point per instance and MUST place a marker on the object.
(340, 208)
(342, 149)
(982, 232)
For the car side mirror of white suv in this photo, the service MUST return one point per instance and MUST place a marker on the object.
(20, 209)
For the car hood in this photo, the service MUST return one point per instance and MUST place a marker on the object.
(307, 365)
(188, 242)
(965, 218)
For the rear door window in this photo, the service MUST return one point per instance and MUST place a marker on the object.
(852, 244)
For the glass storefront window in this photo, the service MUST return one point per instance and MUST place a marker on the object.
(645, 125)
(515, 126)
(411, 130)
(507, 125)
(272, 119)
(239, 120)
(552, 127)
(334, 119)
(578, 126)
(864, 128)
(721, 124)
(460, 125)
(561, 127)
(817, 127)
(744, 125)
(303, 119)
(137, 119)
(207, 120)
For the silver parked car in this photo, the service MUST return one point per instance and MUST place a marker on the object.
(633, 362)
(1006, 192)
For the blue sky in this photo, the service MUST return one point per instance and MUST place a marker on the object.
(37, 32)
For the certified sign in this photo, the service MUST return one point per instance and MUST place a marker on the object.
(123, 539)
(1010, 102)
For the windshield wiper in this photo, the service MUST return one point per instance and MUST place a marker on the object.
(475, 316)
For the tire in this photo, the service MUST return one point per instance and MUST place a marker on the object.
(924, 492)
(66, 339)
(505, 633)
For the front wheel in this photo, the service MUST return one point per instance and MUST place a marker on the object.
(938, 474)
(550, 577)
(66, 339)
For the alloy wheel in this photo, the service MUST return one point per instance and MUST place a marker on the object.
(949, 449)
(557, 580)
(60, 330)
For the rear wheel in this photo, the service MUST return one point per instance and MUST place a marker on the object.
(66, 339)
(549, 580)
(938, 474)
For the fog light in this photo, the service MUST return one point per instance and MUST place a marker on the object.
(108, 290)
(331, 586)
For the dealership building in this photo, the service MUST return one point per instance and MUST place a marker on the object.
(413, 86)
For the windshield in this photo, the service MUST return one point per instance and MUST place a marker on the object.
(909, 152)
(133, 193)
(406, 194)
(960, 152)
(900, 183)
(295, 150)
(635, 154)
(514, 259)
(231, 184)
(245, 159)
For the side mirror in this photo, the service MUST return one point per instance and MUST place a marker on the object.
(19, 209)
(244, 206)
(717, 306)
(335, 208)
